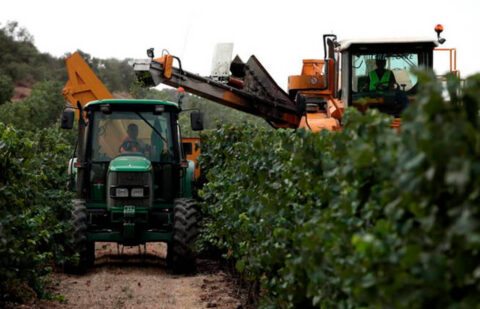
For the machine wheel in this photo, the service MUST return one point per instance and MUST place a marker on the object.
(78, 242)
(180, 253)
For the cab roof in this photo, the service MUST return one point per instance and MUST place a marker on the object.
(132, 102)
(346, 44)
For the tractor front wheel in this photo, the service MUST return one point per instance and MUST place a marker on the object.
(78, 242)
(180, 253)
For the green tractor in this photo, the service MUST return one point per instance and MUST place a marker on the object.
(133, 182)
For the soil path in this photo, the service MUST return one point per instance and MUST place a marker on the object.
(133, 280)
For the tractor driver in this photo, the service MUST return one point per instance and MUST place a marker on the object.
(131, 143)
(381, 78)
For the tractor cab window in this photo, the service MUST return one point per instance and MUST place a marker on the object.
(386, 81)
(125, 132)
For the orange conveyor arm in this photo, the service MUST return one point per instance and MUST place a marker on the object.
(256, 93)
(261, 96)
(83, 85)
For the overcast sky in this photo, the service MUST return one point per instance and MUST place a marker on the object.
(279, 33)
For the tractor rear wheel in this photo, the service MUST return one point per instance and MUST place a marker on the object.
(78, 242)
(180, 253)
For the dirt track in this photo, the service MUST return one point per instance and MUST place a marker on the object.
(133, 280)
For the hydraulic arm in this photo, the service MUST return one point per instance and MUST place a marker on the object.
(250, 88)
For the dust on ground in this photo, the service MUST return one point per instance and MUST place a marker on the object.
(133, 279)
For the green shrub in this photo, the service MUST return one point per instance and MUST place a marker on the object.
(39, 110)
(362, 218)
(6, 88)
(33, 208)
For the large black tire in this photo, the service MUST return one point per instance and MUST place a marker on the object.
(181, 253)
(78, 242)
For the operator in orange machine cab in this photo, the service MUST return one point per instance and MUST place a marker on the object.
(381, 78)
(131, 143)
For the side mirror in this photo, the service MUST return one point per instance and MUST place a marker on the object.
(196, 121)
(68, 116)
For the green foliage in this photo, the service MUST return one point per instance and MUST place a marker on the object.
(6, 88)
(214, 115)
(34, 208)
(40, 110)
(362, 218)
(117, 75)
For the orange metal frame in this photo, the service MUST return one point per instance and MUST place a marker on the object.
(453, 59)
(83, 85)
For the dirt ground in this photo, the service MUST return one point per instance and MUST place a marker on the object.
(137, 280)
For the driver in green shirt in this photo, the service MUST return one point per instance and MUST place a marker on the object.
(381, 78)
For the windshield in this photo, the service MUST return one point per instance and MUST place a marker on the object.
(385, 81)
(127, 132)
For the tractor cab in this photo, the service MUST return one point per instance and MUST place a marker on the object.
(380, 73)
(131, 138)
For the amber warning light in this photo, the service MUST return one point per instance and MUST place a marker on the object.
(438, 30)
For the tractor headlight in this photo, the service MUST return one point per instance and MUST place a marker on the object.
(138, 192)
(121, 192)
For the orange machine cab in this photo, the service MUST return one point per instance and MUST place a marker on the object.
(191, 146)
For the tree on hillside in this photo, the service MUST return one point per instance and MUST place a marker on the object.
(117, 75)
(22, 62)
(17, 33)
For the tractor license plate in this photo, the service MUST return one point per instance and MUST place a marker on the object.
(129, 211)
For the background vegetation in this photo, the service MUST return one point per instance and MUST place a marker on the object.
(34, 207)
(363, 218)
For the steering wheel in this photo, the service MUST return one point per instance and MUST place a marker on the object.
(381, 86)
(385, 86)
(129, 145)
